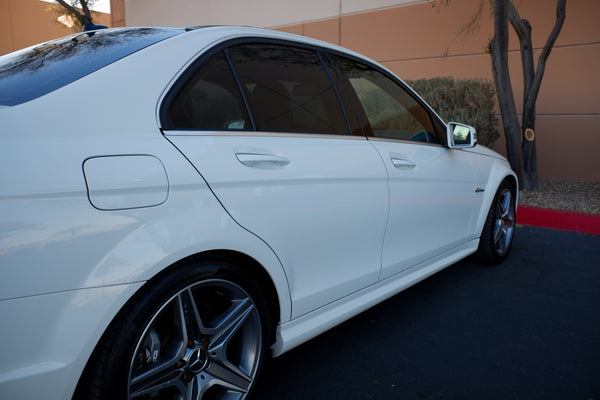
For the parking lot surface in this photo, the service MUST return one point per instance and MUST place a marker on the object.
(526, 329)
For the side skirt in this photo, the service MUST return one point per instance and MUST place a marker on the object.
(308, 326)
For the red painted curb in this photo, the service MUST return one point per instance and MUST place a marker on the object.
(559, 219)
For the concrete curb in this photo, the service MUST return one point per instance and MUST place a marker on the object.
(559, 219)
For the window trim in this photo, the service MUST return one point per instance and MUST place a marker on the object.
(179, 81)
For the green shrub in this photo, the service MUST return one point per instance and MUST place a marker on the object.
(469, 101)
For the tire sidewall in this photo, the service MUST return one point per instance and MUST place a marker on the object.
(128, 327)
(487, 250)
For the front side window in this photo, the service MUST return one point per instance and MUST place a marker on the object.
(287, 89)
(391, 111)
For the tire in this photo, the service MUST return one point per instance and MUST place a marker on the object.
(199, 332)
(499, 228)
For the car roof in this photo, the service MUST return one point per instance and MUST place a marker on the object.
(248, 31)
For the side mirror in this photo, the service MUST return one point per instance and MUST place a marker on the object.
(460, 136)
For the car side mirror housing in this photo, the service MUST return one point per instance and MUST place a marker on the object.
(460, 136)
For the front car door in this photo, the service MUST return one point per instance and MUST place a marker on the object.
(431, 187)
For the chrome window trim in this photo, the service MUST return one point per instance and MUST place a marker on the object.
(380, 139)
(262, 133)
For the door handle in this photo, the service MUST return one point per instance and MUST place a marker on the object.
(403, 163)
(262, 160)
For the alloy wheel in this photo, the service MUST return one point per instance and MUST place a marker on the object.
(504, 224)
(203, 343)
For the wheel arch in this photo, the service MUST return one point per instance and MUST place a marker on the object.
(244, 261)
(499, 173)
(254, 268)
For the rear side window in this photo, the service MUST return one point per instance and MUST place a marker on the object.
(210, 99)
(33, 72)
(287, 89)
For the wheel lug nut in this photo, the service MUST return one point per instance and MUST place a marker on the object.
(189, 377)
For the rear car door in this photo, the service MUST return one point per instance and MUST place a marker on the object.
(432, 187)
(263, 124)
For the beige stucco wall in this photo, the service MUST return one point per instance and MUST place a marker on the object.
(260, 13)
(27, 22)
(117, 13)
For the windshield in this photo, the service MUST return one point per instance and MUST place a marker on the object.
(38, 70)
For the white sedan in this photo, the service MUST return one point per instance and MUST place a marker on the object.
(178, 204)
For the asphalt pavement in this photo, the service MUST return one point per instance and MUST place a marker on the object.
(526, 329)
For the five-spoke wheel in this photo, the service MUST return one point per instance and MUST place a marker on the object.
(203, 343)
(499, 228)
(504, 224)
(197, 333)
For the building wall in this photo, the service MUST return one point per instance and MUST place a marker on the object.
(117, 13)
(24, 23)
(261, 13)
(416, 40)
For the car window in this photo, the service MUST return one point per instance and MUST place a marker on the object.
(391, 111)
(38, 70)
(287, 89)
(209, 100)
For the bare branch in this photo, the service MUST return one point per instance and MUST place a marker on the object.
(474, 21)
(86, 9)
(539, 74)
(71, 10)
(523, 30)
(515, 20)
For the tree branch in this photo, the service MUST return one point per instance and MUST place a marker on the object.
(539, 74)
(523, 30)
(86, 9)
(72, 10)
(516, 21)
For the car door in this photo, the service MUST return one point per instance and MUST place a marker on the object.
(272, 141)
(431, 186)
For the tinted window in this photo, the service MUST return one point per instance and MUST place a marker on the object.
(287, 89)
(391, 111)
(36, 71)
(209, 99)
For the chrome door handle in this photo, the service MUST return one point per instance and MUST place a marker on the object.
(402, 163)
(262, 160)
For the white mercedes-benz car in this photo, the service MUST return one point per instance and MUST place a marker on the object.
(178, 204)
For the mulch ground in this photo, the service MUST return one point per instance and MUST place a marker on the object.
(558, 194)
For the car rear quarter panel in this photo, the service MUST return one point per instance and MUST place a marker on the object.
(60, 257)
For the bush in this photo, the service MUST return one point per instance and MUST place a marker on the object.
(469, 101)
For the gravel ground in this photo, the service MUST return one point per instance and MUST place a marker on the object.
(561, 194)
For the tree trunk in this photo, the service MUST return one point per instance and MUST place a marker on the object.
(532, 80)
(528, 148)
(508, 110)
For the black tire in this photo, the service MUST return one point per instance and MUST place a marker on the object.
(199, 330)
(499, 228)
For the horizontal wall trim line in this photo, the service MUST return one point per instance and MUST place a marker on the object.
(463, 55)
(348, 14)
(561, 115)
(412, 3)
